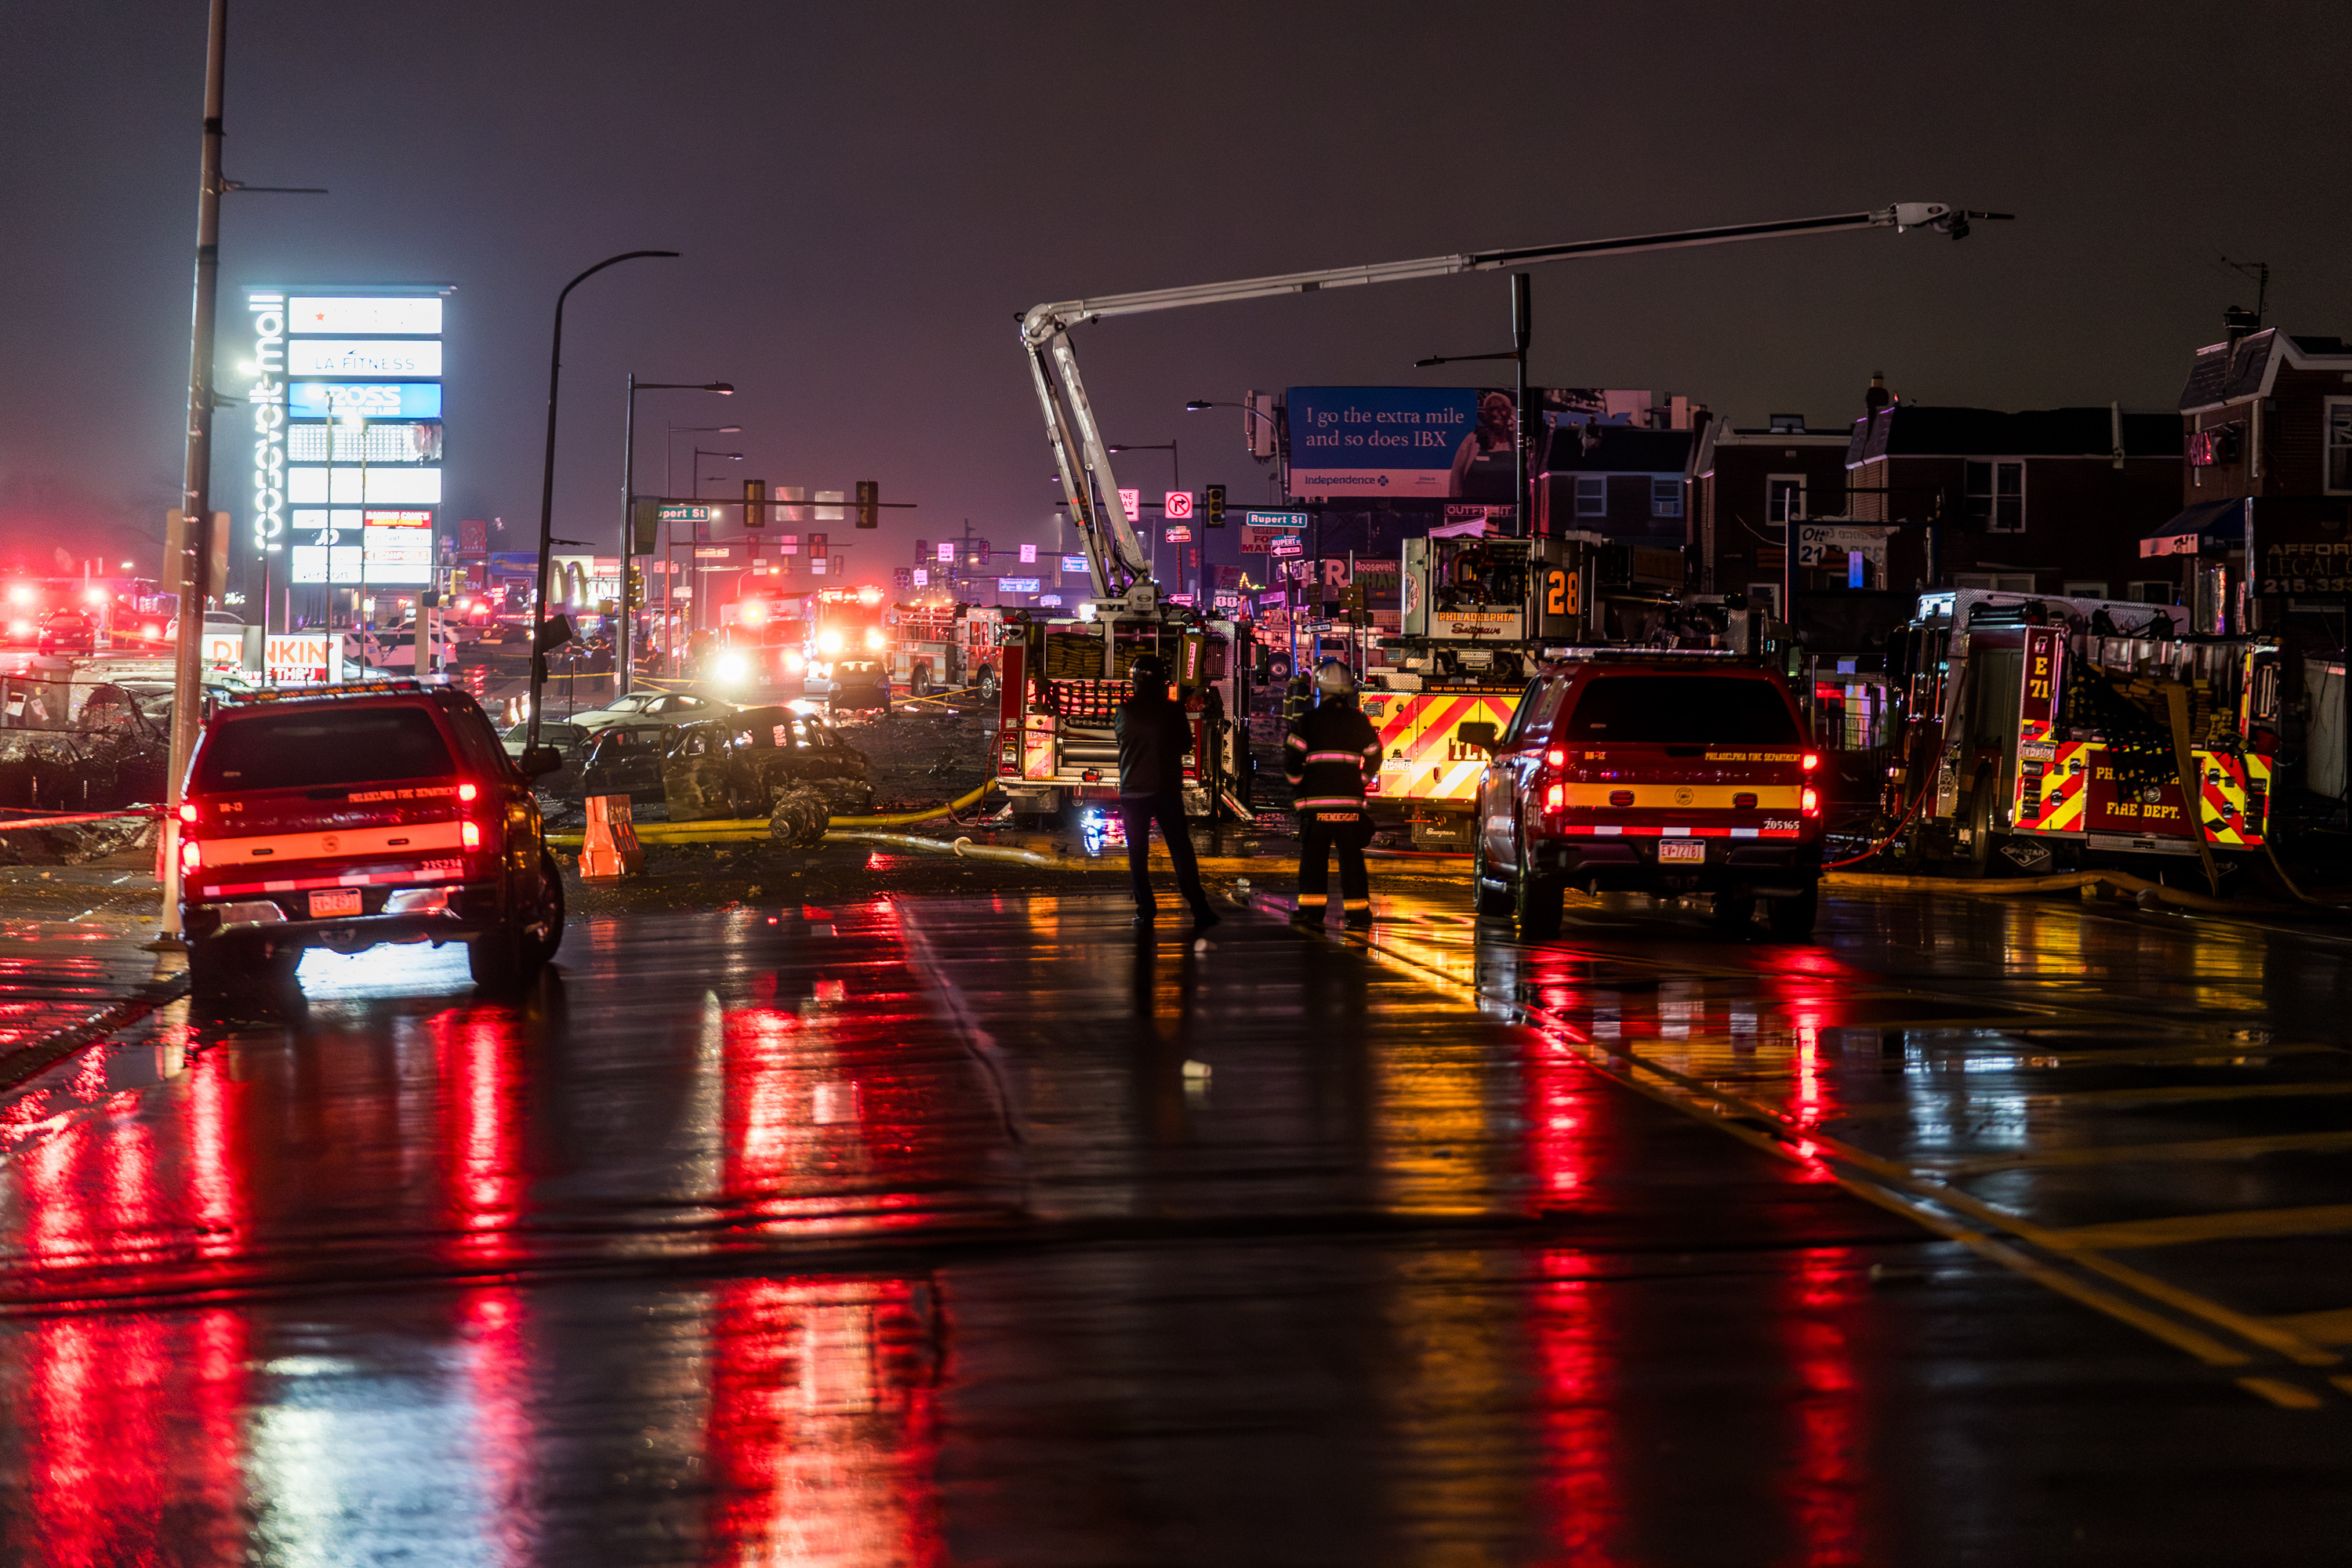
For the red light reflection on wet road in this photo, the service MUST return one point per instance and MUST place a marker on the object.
(1825, 1486)
(823, 1440)
(1578, 1429)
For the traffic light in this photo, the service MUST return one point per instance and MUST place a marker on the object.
(755, 503)
(816, 546)
(869, 504)
(1213, 500)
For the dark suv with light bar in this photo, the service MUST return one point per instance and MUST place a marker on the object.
(344, 817)
(1667, 773)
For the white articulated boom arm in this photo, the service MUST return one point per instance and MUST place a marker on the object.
(1115, 556)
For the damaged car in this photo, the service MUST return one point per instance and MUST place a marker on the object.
(735, 767)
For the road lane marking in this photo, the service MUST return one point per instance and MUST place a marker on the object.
(2280, 1392)
(1727, 1099)
(2130, 1153)
(2234, 1225)
(2062, 1100)
(2329, 1327)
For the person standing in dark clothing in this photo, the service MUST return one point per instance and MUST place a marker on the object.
(1330, 756)
(1153, 737)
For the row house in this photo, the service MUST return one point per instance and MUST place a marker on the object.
(1747, 486)
(2051, 501)
(2265, 512)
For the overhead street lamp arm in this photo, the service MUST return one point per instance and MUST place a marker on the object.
(1112, 549)
(547, 481)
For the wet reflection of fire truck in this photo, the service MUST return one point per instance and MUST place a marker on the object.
(1063, 681)
(2034, 733)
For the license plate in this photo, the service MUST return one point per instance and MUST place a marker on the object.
(1682, 849)
(334, 902)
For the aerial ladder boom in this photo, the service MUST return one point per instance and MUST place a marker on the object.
(1115, 558)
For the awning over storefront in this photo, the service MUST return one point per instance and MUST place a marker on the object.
(2213, 527)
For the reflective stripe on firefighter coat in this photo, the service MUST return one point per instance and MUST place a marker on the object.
(1330, 755)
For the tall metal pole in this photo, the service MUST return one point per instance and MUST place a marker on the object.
(621, 666)
(547, 486)
(1523, 304)
(196, 472)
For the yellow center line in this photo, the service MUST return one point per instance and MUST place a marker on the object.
(2061, 1099)
(2331, 1328)
(2179, 1229)
(2127, 1154)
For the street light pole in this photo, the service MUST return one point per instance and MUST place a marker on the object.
(196, 471)
(547, 485)
(622, 666)
(1176, 478)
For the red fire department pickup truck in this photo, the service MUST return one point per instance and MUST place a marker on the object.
(345, 816)
(1667, 773)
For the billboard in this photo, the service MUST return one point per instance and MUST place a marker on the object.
(346, 401)
(1409, 442)
(1421, 443)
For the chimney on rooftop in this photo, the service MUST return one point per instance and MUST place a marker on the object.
(1878, 397)
(2237, 322)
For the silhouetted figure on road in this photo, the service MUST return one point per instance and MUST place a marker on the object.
(1153, 736)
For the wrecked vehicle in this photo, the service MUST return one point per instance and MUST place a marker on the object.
(736, 766)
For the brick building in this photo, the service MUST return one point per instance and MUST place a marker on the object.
(1746, 486)
(2266, 419)
(1626, 481)
(2052, 501)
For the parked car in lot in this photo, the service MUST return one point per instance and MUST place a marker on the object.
(1659, 772)
(345, 816)
(647, 707)
(736, 766)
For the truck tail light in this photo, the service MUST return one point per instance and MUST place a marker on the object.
(1743, 801)
(1556, 797)
(1556, 757)
(188, 811)
(192, 856)
(1618, 797)
(470, 834)
(468, 791)
(1811, 801)
(1812, 761)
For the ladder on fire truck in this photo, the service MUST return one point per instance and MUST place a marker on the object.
(1116, 559)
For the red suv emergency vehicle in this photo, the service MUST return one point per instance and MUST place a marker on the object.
(345, 816)
(1666, 774)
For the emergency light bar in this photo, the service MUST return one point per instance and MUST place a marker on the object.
(344, 689)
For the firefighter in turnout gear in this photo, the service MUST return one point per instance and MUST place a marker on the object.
(1330, 756)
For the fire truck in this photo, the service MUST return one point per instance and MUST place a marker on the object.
(1126, 610)
(1063, 680)
(2035, 733)
(829, 644)
(945, 647)
(1479, 616)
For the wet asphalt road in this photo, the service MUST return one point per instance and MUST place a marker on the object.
(969, 1229)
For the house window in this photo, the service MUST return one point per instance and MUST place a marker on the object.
(1765, 597)
(1993, 496)
(2339, 445)
(1784, 498)
(1665, 498)
(1591, 495)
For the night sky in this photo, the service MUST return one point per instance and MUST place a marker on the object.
(867, 197)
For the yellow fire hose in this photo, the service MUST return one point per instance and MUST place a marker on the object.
(749, 829)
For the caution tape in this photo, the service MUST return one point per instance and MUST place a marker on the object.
(749, 829)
